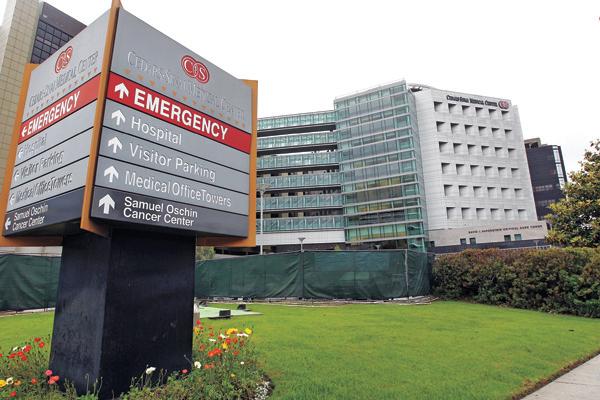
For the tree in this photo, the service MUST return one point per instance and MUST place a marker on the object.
(575, 219)
(204, 253)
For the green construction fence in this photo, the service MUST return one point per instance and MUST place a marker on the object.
(31, 282)
(375, 275)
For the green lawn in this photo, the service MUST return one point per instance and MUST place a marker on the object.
(447, 350)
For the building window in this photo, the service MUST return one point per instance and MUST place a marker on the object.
(437, 106)
(507, 238)
(439, 125)
(463, 241)
(518, 236)
(472, 240)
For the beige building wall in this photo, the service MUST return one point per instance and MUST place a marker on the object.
(16, 41)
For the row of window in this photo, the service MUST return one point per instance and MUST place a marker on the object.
(470, 111)
(490, 192)
(47, 40)
(390, 192)
(316, 118)
(384, 217)
(390, 168)
(546, 188)
(384, 232)
(371, 138)
(496, 214)
(388, 146)
(476, 150)
(473, 130)
(368, 97)
(383, 205)
(507, 238)
(386, 120)
(394, 180)
(371, 106)
(488, 171)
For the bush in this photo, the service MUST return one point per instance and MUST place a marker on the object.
(552, 280)
(224, 367)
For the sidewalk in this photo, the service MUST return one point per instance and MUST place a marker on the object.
(582, 383)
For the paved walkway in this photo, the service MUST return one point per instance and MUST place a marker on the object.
(582, 383)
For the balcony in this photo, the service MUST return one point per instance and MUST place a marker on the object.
(301, 224)
(297, 161)
(301, 202)
(299, 181)
(302, 142)
(287, 121)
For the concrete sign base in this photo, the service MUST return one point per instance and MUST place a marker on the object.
(124, 303)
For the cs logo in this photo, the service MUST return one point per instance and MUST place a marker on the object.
(503, 104)
(195, 69)
(63, 59)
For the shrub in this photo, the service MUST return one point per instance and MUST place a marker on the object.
(224, 366)
(551, 280)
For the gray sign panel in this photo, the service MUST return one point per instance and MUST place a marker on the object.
(67, 69)
(146, 127)
(144, 54)
(132, 178)
(133, 150)
(134, 208)
(65, 153)
(57, 133)
(50, 185)
(62, 208)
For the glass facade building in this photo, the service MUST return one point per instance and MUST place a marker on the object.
(382, 190)
(351, 174)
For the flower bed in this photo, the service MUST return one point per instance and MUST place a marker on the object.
(224, 366)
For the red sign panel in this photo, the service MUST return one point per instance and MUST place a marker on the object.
(61, 108)
(141, 98)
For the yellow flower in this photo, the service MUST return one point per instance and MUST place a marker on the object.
(232, 331)
(248, 331)
(225, 346)
(2, 383)
(232, 375)
(196, 331)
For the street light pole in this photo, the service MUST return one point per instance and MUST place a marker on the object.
(262, 188)
(301, 239)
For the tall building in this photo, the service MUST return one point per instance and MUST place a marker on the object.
(31, 31)
(475, 169)
(548, 174)
(298, 174)
(398, 166)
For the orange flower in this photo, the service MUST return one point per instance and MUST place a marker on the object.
(209, 366)
(41, 344)
(53, 379)
(34, 381)
(48, 372)
(37, 339)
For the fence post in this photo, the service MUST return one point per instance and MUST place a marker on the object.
(406, 274)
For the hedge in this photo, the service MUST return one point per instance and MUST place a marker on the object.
(551, 280)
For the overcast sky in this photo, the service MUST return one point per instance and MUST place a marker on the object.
(542, 55)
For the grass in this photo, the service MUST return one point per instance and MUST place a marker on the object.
(447, 350)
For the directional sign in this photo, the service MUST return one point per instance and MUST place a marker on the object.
(133, 208)
(153, 129)
(177, 132)
(148, 154)
(152, 59)
(62, 208)
(60, 181)
(57, 157)
(132, 178)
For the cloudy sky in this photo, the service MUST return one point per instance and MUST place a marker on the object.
(542, 55)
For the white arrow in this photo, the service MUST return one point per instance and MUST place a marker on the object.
(7, 223)
(118, 115)
(112, 173)
(115, 143)
(122, 89)
(107, 202)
